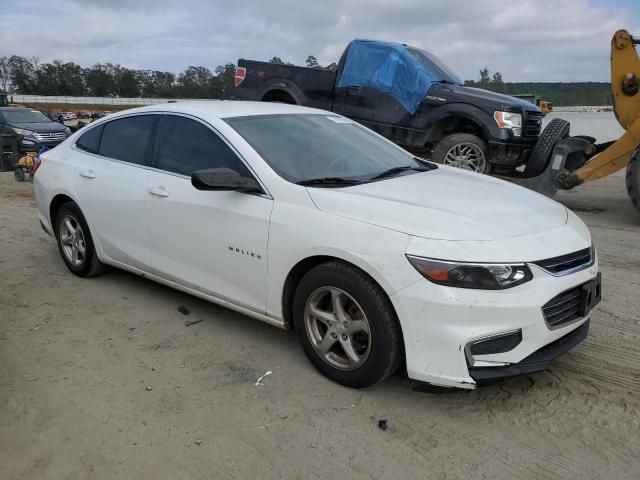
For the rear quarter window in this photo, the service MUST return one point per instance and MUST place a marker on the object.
(90, 140)
(128, 139)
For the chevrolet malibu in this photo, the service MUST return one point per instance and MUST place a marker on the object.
(306, 220)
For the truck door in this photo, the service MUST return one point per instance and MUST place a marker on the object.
(354, 96)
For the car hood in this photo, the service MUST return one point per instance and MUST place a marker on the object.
(445, 204)
(43, 127)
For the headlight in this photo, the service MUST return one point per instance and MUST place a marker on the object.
(22, 131)
(485, 276)
(512, 121)
(67, 130)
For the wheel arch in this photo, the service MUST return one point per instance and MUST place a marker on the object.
(56, 202)
(281, 90)
(302, 267)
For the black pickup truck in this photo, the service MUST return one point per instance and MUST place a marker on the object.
(409, 96)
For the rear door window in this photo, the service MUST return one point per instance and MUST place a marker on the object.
(188, 145)
(90, 140)
(129, 139)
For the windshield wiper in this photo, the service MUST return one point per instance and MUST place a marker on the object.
(392, 171)
(327, 181)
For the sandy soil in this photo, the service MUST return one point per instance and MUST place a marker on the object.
(102, 379)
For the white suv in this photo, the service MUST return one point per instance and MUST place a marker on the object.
(304, 219)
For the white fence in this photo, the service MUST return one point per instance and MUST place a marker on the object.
(582, 108)
(31, 99)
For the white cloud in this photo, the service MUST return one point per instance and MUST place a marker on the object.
(561, 40)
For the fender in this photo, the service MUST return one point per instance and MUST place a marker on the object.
(462, 110)
(284, 84)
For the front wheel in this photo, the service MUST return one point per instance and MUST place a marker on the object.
(462, 150)
(346, 325)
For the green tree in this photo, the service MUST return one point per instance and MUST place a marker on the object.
(277, 60)
(484, 76)
(312, 62)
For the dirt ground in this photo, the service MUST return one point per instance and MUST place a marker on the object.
(102, 379)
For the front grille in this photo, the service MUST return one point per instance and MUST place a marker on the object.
(532, 124)
(50, 137)
(563, 308)
(567, 263)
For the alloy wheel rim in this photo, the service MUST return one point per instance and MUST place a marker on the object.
(337, 328)
(72, 240)
(467, 156)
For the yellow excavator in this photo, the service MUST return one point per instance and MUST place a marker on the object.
(560, 161)
(602, 160)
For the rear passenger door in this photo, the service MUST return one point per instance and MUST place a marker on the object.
(214, 242)
(111, 182)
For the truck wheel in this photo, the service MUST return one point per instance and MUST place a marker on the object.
(633, 180)
(462, 150)
(541, 154)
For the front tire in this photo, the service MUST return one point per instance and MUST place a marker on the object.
(346, 325)
(463, 150)
(75, 242)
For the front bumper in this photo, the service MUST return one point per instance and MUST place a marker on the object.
(538, 361)
(440, 323)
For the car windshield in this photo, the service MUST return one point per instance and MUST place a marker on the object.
(24, 116)
(307, 147)
(434, 65)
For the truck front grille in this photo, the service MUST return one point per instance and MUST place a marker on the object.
(50, 136)
(532, 124)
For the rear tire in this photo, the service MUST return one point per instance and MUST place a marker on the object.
(633, 180)
(556, 130)
(464, 151)
(75, 242)
(18, 173)
(337, 301)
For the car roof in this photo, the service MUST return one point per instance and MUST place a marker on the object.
(224, 108)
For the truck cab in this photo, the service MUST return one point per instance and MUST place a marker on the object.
(412, 98)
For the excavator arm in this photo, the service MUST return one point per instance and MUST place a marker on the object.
(625, 86)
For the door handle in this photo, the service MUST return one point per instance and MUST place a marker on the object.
(87, 173)
(158, 191)
(354, 90)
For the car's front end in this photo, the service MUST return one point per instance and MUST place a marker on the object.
(32, 129)
(490, 310)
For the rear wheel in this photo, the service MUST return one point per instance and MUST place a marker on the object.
(633, 180)
(75, 242)
(18, 173)
(346, 325)
(462, 150)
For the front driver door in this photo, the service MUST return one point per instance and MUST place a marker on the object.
(214, 242)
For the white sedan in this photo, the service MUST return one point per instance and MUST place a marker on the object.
(305, 219)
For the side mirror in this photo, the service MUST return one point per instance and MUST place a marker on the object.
(223, 179)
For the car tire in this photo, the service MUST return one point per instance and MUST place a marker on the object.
(633, 180)
(73, 236)
(363, 323)
(463, 150)
(540, 156)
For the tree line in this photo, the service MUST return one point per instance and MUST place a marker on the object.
(558, 93)
(29, 76)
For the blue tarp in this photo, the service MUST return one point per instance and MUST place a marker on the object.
(387, 67)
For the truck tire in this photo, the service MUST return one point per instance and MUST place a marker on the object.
(633, 180)
(556, 130)
(462, 150)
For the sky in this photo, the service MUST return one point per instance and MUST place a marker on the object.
(525, 40)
